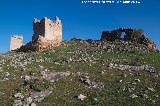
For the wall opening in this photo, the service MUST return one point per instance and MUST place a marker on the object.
(123, 34)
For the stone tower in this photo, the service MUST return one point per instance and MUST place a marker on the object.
(47, 35)
(16, 42)
(47, 30)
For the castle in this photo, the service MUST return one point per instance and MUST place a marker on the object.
(47, 34)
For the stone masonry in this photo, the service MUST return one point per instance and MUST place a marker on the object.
(47, 29)
(16, 42)
(132, 35)
(47, 34)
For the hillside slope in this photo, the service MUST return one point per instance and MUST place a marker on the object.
(82, 73)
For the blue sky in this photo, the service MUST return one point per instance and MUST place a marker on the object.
(79, 20)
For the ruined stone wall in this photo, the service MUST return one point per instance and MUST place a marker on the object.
(47, 35)
(57, 27)
(48, 29)
(16, 42)
(38, 28)
(132, 35)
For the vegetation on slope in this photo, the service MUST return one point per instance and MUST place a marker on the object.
(114, 86)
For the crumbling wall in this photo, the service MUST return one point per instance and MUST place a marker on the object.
(132, 35)
(57, 27)
(47, 34)
(16, 42)
(47, 29)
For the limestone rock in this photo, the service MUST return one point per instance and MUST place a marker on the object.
(27, 78)
(54, 76)
(28, 100)
(18, 103)
(18, 95)
(33, 104)
(81, 97)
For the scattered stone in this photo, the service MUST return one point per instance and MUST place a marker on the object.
(133, 96)
(125, 75)
(145, 96)
(133, 68)
(18, 103)
(102, 72)
(33, 104)
(120, 81)
(18, 95)
(28, 100)
(5, 79)
(27, 78)
(95, 99)
(81, 97)
(137, 80)
(39, 96)
(54, 76)
(7, 74)
(85, 80)
(41, 67)
(151, 89)
(91, 84)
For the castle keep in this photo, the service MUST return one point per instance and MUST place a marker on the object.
(47, 29)
(47, 34)
(16, 42)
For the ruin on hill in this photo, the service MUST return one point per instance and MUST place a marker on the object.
(16, 42)
(47, 34)
(128, 34)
